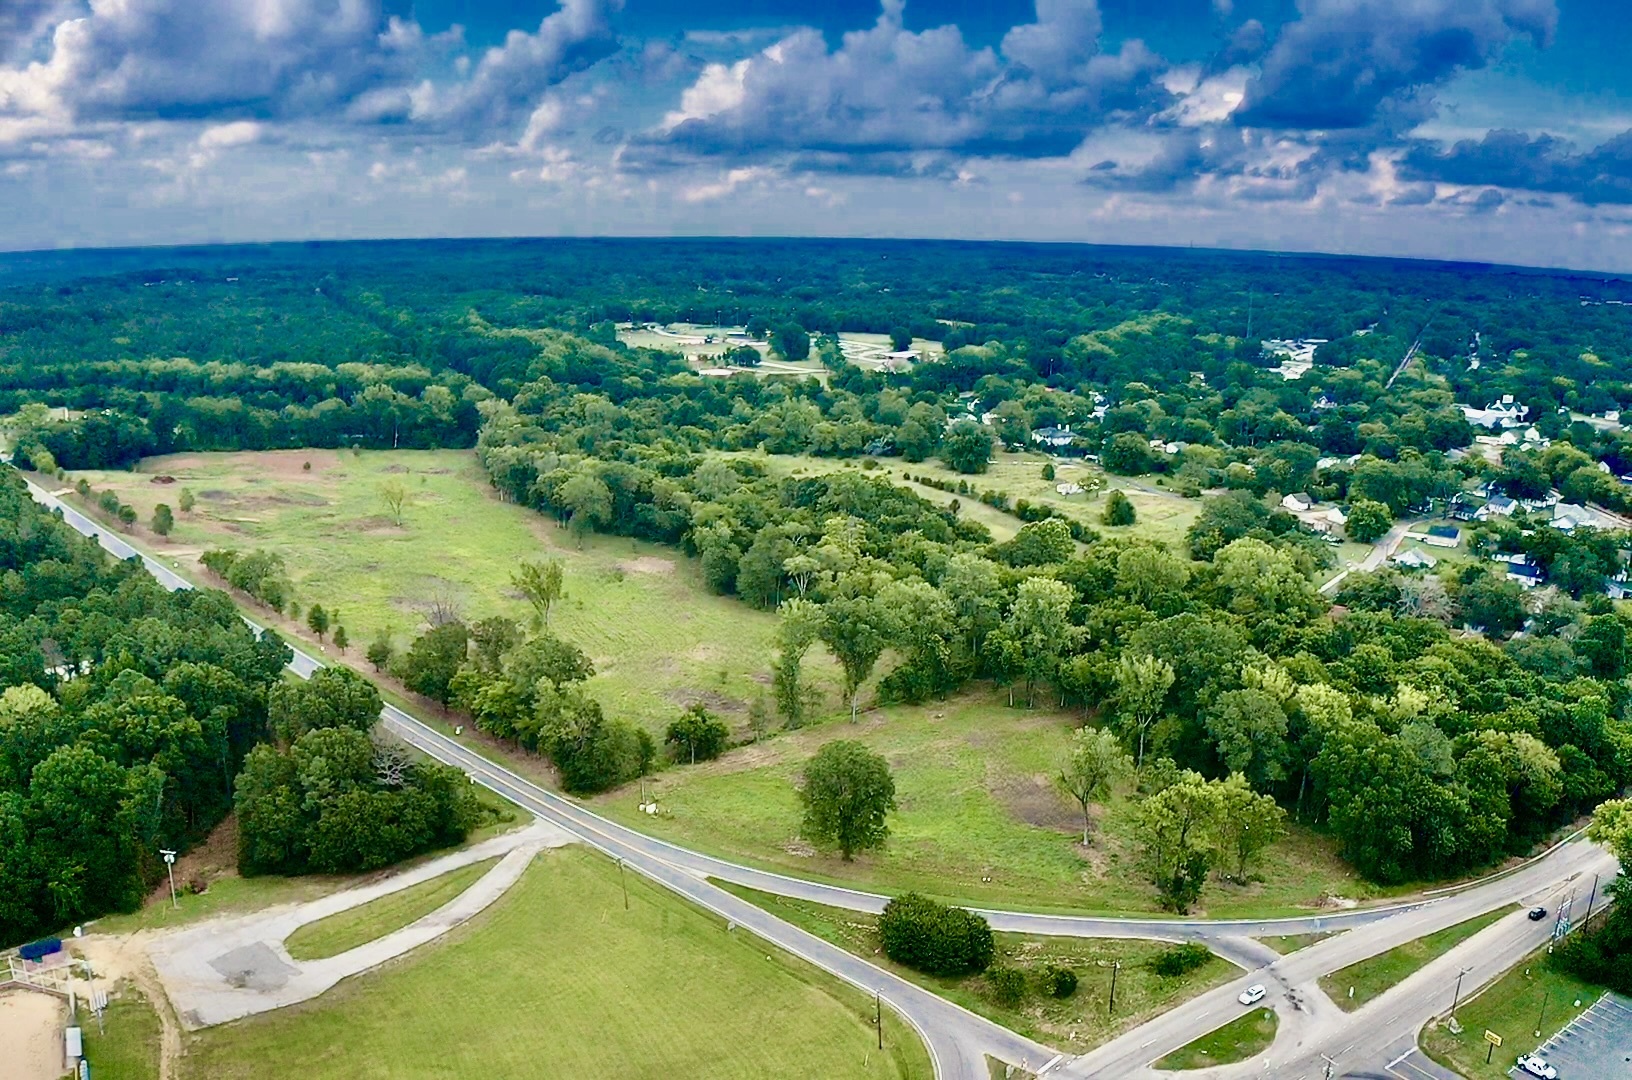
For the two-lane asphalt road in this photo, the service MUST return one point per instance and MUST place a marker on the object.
(959, 1040)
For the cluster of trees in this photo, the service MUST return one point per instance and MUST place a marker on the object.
(125, 712)
(1602, 952)
(261, 574)
(326, 795)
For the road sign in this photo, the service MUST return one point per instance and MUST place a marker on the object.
(1492, 1038)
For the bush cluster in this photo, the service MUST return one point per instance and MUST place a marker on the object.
(1180, 959)
(934, 938)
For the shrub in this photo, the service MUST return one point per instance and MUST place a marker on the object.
(1060, 982)
(697, 736)
(1180, 959)
(934, 938)
(1118, 509)
(1006, 985)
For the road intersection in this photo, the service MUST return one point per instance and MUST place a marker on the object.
(1311, 1028)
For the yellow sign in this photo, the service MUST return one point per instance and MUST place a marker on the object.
(1492, 1038)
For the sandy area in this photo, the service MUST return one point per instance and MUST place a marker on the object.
(31, 1035)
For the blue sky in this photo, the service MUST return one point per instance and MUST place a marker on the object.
(1496, 130)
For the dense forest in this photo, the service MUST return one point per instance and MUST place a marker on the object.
(134, 719)
(1433, 722)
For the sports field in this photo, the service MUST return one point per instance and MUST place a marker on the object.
(557, 979)
(659, 639)
(979, 819)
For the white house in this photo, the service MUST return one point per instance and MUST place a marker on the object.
(1298, 502)
(1053, 437)
(1416, 560)
(1505, 413)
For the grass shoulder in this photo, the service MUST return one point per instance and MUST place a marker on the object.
(1291, 943)
(125, 1045)
(1246, 1036)
(1077, 1023)
(661, 988)
(1353, 986)
(356, 926)
(1526, 1007)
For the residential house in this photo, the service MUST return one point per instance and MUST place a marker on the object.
(1503, 414)
(1415, 560)
(1526, 575)
(1054, 437)
(1497, 506)
(1442, 536)
(1298, 502)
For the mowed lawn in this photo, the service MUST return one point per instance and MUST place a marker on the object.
(660, 640)
(979, 818)
(558, 980)
(1353, 986)
(1533, 997)
(359, 925)
(1162, 516)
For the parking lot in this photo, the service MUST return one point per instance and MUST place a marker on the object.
(1596, 1046)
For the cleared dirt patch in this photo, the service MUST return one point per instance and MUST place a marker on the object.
(31, 1034)
(1034, 800)
(647, 564)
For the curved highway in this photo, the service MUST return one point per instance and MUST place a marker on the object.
(959, 1040)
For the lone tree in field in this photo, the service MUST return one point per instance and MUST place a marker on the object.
(1095, 762)
(1118, 509)
(163, 520)
(380, 650)
(847, 792)
(186, 502)
(541, 584)
(318, 621)
(394, 494)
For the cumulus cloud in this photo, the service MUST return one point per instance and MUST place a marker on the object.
(1539, 163)
(888, 92)
(1342, 63)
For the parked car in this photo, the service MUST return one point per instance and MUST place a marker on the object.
(1537, 914)
(1253, 994)
(1537, 1066)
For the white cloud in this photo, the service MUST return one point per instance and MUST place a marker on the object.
(725, 185)
(236, 133)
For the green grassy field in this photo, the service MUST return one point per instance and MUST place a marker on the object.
(979, 818)
(1291, 943)
(126, 1047)
(1238, 1040)
(377, 918)
(1077, 1023)
(1374, 975)
(659, 639)
(1533, 997)
(663, 990)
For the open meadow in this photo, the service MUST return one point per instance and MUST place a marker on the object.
(589, 989)
(659, 639)
(979, 818)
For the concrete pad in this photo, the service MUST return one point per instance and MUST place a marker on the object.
(230, 968)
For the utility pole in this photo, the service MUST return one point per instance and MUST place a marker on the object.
(1331, 1066)
(624, 881)
(1543, 1015)
(170, 869)
(1590, 898)
(1457, 996)
(878, 1015)
(1116, 966)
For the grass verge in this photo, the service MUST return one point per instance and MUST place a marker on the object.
(1240, 1039)
(1291, 943)
(658, 991)
(1533, 997)
(359, 925)
(1353, 986)
(1079, 1022)
(126, 1046)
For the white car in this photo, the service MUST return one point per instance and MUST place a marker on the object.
(1253, 994)
(1537, 1066)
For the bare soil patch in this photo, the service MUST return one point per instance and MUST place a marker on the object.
(31, 1034)
(712, 700)
(647, 564)
(1034, 800)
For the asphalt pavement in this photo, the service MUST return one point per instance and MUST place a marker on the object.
(1310, 1024)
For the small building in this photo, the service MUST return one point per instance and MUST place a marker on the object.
(1442, 536)
(1053, 437)
(1464, 507)
(1415, 560)
(1526, 575)
(1497, 506)
(1068, 489)
(1335, 516)
(1618, 588)
(1298, 502)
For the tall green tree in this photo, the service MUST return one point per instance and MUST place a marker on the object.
(1248, 823)
(541, 584)
(1091, 768)
(1177, 830)
(847, 794)
(855, 630)
(1039, 629)
(798, 628)
(1142, 683)
(967, 447)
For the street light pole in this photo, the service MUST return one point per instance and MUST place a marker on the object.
(1116, 966)
(170, 869)
(1590, 898)
(1543, 1015)
(1457, 996)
